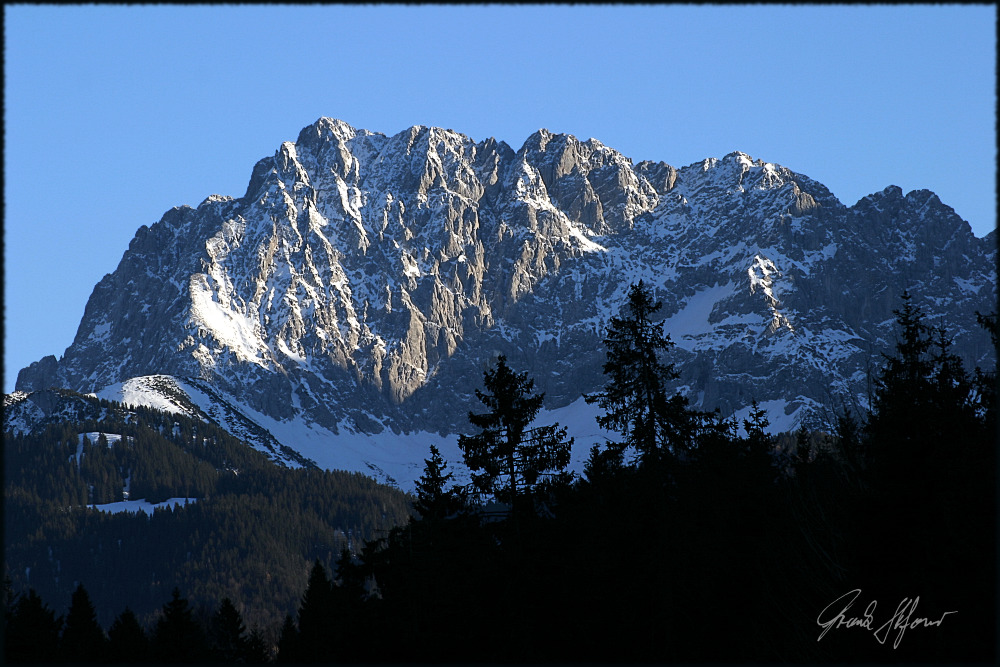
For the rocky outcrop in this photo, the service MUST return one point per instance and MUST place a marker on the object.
(365, 281)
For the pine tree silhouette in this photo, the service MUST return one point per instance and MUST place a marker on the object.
(316, 617)
(288, 642)
(654, 425)
(507, 457)
(127, 641)
(178, 637)
(83, 638)
(434, 501)
(32, 633)
(227, 633)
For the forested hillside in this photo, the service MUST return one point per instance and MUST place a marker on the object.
(244, 528)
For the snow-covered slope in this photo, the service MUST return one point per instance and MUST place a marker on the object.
(358, 289)
(391, 458)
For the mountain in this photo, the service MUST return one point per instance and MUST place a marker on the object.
(344, 308)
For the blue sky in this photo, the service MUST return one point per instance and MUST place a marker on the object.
(115, 114)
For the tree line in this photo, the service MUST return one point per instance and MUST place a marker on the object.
(249, 532)
(35, 634)
(689, 537)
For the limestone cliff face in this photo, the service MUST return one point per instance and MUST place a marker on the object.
(366, 281)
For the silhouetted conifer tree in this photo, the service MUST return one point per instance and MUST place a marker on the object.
(83, 638)
(288, 642)
(226, 633)
(32, 634)
(315, 617)
(256, 650)
(506, 457)
(653, 425)
(803, 448)
(758, 445)
(434, 501)
(127, 641)
(178, 637)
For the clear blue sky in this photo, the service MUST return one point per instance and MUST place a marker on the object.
(115, 114)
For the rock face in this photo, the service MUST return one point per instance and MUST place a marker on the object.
(365, 281)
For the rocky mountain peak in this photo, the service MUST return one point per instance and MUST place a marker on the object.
(363, 280)
(326, 129)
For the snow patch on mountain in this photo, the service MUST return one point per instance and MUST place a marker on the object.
(111, 438)
(691, 327)
(231, 328)
(19, 414)
(160, 392)
(141, 505)
(394, 458)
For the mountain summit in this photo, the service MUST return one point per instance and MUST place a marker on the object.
(363, 282)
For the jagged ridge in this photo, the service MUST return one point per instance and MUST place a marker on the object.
(365, 281)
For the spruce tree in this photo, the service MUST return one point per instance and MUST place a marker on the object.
(226, 633)
(256, 649)
(803, 447)
(654, 426)
(178, 637)
(32, 634)
(923, 398)
(127, 641)
(83, 638)
(927, 514)
(758, 440)
(288, 642)
(904, 381)
(507, 458)
(316, 616)
(433, 500)
(758, 444)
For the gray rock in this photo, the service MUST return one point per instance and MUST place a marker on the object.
(369, 280)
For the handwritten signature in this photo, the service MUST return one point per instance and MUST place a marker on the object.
(902, 620)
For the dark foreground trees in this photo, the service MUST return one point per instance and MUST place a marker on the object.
(926, 524)
(83, 639)
(31, 632)
(509, 459)
(636, 400)
(727, 553)
(127, 640)
(178, 637)
(710, 544)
